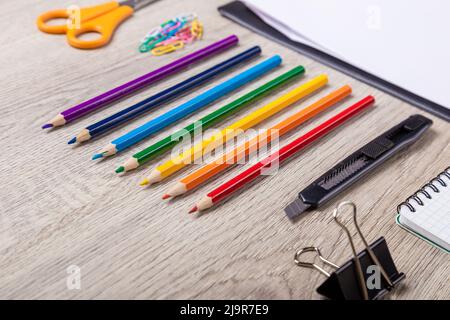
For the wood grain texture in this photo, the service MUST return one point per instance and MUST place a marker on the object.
(58, 208)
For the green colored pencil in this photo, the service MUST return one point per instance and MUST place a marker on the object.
(167, 143)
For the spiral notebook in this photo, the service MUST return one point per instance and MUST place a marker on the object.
(427, 213)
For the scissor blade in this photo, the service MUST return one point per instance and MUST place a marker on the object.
(136, 4)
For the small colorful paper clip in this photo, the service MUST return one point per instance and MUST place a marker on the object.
(197, 29)
(161, 50)
(187, 18)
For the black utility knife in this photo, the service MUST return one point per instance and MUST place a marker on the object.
(360, 163)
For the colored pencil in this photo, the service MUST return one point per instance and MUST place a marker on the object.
(188, 108)
(165, 144)
(225, 161)
(173, 165)
(228, 188)
(128, 88)
(162, 97)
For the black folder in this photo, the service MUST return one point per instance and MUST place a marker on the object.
(239, 13)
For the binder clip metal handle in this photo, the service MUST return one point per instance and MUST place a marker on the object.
(355, 254)
(367, 247)
(312, 265)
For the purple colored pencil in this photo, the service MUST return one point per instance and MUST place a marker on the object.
(128, 88)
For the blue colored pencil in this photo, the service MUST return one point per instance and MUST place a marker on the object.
(168, 118)
(162, 97)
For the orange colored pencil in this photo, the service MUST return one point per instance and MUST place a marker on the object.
(206, 172)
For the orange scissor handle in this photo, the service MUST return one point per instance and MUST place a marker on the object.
(75, 17)
(104, 25)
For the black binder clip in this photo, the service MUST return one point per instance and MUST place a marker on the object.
(369, 275)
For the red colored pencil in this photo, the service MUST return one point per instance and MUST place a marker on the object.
(232, 185)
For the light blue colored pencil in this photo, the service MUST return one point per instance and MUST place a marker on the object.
(170, 117)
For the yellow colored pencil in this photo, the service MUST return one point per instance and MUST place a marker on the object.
(175, 164)
(240, 152)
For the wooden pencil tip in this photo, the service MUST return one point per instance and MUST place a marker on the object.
(47, 126)
(72, 141)
(166, 196)
(97, 156)
(194, 209)
(144, 182)
(120, 169)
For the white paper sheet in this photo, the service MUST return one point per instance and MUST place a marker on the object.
(405, 42)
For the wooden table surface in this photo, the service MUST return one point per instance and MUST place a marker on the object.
(60, 209)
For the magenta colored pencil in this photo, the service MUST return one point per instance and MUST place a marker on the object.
(128, 88)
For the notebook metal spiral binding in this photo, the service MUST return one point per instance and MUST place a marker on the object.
(431, 185)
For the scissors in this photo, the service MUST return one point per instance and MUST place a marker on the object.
(102, 19)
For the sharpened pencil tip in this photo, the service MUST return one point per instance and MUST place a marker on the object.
(120, 169)
(47, 125)
(97, 156)
(193, 209)
(72, 141)
(144, 182)
(166, 196)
